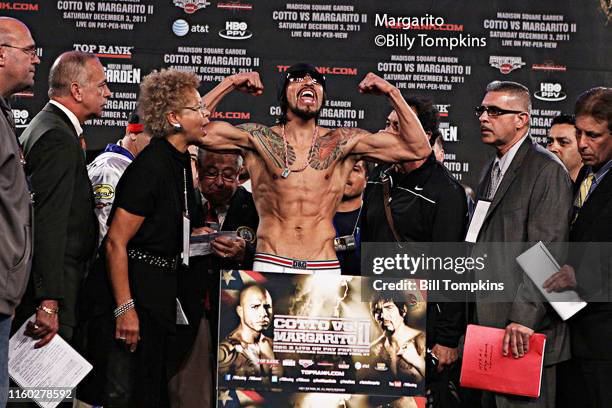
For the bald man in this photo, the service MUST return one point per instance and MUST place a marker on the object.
(240, 352)
(18, 62)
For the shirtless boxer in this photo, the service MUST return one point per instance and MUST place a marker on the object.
(243, 349)
(400, 346)
(299, 170)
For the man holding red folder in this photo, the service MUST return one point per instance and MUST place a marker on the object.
(526, 194)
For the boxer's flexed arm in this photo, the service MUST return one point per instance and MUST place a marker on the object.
(222, 135)
(411, 143)
(245, 82)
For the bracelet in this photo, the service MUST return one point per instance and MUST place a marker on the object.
(122, 309)
(48, 310)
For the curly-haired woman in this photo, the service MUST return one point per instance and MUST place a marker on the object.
(129, 330)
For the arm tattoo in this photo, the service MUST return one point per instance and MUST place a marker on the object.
(227, 355)
(271, 143)
(330, 147)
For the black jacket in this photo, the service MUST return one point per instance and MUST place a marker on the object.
(204, 271)
(241, 217)
(428, 205)
(591, 328)
(65, 222)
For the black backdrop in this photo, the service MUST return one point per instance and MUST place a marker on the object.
(447, 50)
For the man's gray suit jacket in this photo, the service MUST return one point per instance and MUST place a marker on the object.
(532, 203)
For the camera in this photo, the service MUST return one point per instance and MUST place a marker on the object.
(345, 243)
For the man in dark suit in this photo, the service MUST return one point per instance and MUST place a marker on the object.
(64, 221)
(226, 206)
(528, 194)
(585, 380)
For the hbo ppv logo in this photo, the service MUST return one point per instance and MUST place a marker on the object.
(235, 30)
(551, 92)
(21, 117)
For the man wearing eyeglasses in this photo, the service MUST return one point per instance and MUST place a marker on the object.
(227, 206)
(64, 219)
(526, 195)
(299, 169)
(18, 62)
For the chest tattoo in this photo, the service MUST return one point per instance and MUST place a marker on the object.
(271, 143)
(330, 147)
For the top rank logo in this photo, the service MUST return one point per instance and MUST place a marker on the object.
(506, 64)
(106, 51)
(191, 6)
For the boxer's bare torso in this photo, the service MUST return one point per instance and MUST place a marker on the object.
(239, 357)
(299, 170)
(296, 212)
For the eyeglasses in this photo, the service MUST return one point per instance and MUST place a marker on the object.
(225, 175)
(200, 108)
(493, 111)
(30, 51)
(299, 78)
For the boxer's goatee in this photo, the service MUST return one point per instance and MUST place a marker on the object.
(305, 114)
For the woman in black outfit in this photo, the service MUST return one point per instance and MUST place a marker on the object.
(129, 329)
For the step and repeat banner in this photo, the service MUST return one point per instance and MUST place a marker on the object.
(446, 50)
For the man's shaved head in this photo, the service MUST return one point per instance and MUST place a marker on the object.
(18, 57)
(516, 90)
(9, 28)
(255, 308)
(247, 290)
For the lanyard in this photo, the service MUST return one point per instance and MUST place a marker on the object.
(186, 223)
(356, 220)
(186, 207)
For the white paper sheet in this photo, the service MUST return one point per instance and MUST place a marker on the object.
(482, 206)
(200, 245)
(56, 365)
(181, 317)
(539, 264)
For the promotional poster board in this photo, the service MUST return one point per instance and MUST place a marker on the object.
(293, 333)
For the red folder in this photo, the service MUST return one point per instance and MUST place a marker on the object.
(486, 368)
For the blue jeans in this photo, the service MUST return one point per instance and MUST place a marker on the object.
(5, 329)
